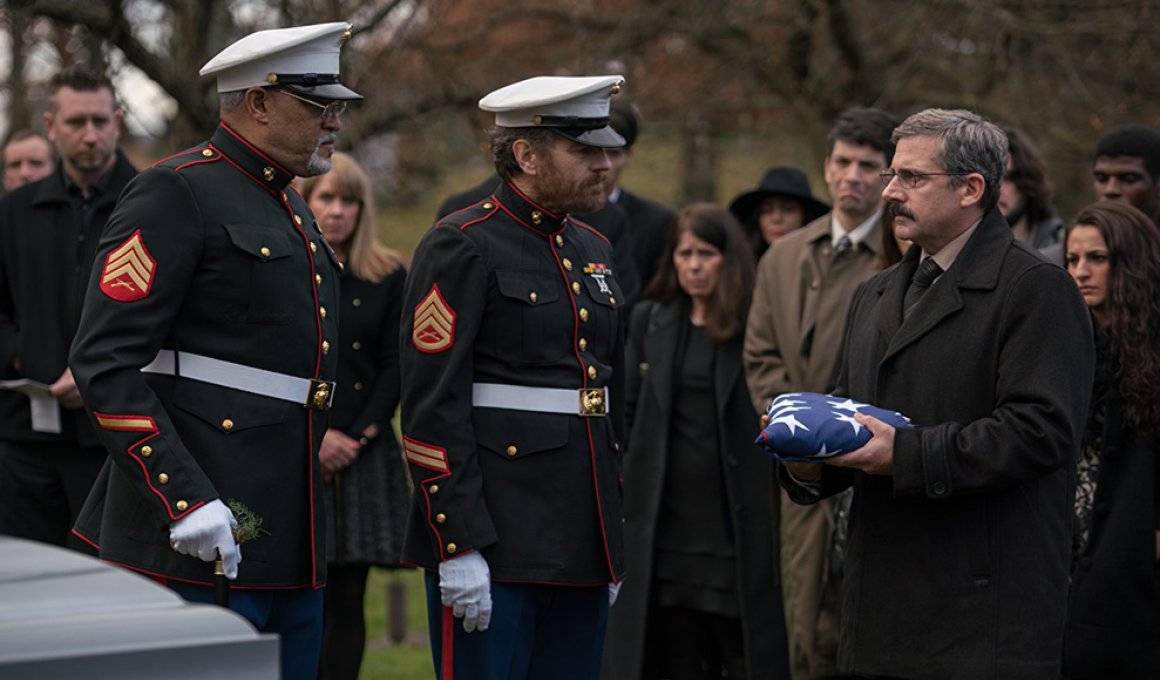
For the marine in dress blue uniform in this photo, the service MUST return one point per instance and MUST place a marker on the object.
(207, 348)
(512, 407)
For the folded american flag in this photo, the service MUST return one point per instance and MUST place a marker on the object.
(809, 427)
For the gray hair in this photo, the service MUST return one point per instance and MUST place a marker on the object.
(228, 101)
(501, 140)
(969, 144)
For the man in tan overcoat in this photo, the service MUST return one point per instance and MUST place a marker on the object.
(805, 283)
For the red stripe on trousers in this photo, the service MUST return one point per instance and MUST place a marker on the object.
(448, 644)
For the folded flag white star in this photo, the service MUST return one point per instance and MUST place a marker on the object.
(809, 427)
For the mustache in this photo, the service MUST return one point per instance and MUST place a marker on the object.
(897, 209)
(331, 137)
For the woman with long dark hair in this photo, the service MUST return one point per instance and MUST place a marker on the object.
(701, 598)
(1113, 628)
(364, 473)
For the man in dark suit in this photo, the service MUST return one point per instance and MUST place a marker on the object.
(649, 222)
(960, 530)
(48, 239)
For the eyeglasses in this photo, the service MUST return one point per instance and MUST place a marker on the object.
(910, 179)
(332, 110)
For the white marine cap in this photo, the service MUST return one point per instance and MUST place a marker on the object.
(302, 58)
(573, 106)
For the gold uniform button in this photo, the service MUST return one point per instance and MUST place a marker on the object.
(440, 518)
(488, 206)
(532, 296)
(313, 247)
(583, 344)
(559, 241)
(265, 251)
(206, 152)
(576, 287)
(322, 312)
(592, 372)
(512, 450)
(583, 314)
(356, 345)
(356, 302)
(358, 386)
(227, 424)
(451, 548)
(611, 300)
(146, 451)
(325, 346)
(298, 220)
(318, 279)
(182, 506)
(433, 489)
(163, 478)
(567, 264)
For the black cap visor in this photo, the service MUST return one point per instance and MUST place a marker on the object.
(603, 137)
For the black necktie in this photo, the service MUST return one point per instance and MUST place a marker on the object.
(928, 271)
(843, 246)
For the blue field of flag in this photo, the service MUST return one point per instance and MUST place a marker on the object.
(810, 427)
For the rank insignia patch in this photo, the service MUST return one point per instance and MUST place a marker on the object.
(425, 455)
(119, 423)
(434, 323)
(129, 269)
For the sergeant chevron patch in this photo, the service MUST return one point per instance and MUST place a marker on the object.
(129, 269)
(434, 329)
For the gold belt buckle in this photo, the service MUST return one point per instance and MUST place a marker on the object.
(592, 402)
(321, 395)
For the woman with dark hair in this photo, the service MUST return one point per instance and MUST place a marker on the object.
(362, 467)
(781, 203)
(1113, 628)
(701, 598)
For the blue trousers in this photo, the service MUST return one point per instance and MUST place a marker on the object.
(295, 615)
(537, 632)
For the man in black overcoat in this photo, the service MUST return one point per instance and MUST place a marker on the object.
(960, 528)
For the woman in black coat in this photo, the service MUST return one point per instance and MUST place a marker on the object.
(701, 598)
(365, 477)
(1113, 627)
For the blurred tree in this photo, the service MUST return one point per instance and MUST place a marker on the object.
(700, 70)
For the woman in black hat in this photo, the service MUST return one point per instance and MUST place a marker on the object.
(781, 203)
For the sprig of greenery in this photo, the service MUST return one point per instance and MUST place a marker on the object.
(249, 522)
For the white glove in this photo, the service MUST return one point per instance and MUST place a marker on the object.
(207, 531)
(465, 586)
(613, 593)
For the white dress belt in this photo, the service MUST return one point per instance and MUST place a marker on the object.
(316, 394)
(582, 401)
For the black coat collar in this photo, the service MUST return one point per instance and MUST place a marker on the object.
(526, 211)
(250, 160)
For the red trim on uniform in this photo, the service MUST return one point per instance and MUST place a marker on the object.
(317, 372)
(156, 576)
(590, 228)
(255, 149)
(539, 207)
(117, 423)
(448, 644)
(272, 191)
(172, 156)
(584, 383)
(427, 502)
(86, 539)
(149, 480)
(204, 159)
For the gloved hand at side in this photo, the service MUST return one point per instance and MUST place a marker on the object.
(465, 586)
(206, 531)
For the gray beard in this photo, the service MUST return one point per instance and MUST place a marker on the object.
(317, 165)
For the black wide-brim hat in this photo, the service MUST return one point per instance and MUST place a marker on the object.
(788, 182)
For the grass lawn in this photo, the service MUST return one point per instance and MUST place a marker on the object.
(386, 659)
